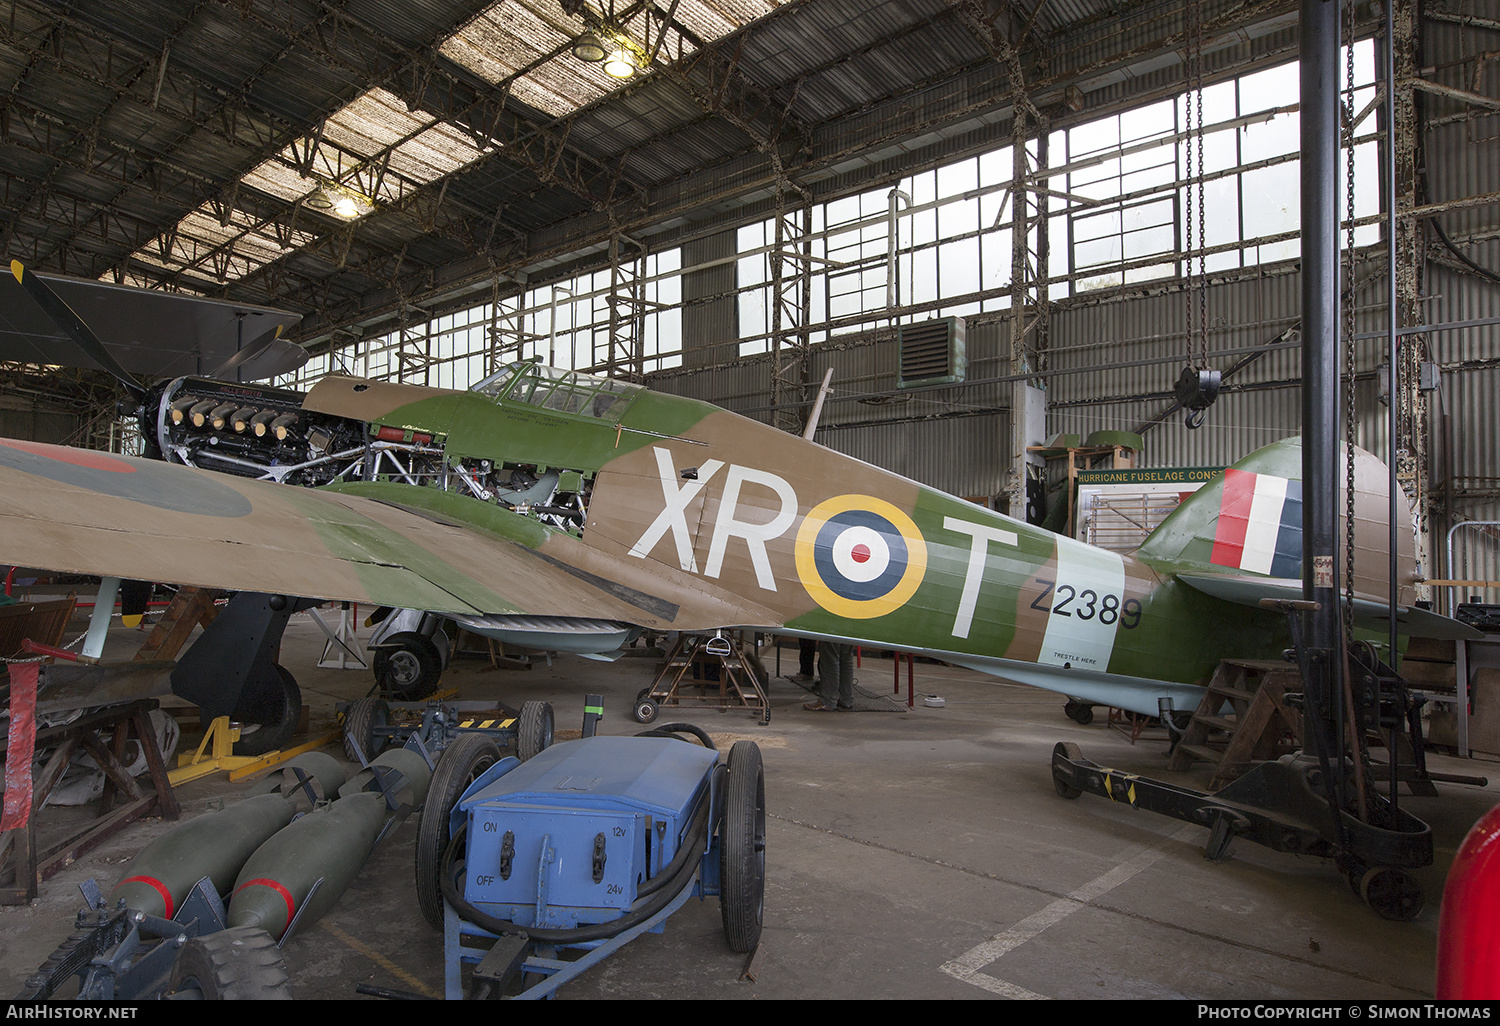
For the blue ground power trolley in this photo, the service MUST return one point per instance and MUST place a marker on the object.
(542, 869)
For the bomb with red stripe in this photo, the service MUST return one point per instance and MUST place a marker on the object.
(216, 845)
(326, 848)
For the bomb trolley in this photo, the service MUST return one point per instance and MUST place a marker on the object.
(556, 863)
(373, 724)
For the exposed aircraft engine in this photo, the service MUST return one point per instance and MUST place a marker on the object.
(250, 431)
(271, 434)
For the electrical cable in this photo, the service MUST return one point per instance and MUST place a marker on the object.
(678, 872)
(671, 730)
(1483, 272)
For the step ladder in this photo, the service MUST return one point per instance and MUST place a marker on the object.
(188, 608)
(1242, 719)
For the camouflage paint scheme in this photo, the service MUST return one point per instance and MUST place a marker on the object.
(698, 519)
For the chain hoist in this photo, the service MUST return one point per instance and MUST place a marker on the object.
(1348, 318)
(1198, 385)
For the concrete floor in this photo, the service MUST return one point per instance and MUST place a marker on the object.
(919, 854)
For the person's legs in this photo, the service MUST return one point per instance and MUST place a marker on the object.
(828, 678)
(846, 676)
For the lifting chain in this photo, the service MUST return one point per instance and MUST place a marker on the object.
(1197, 386)
(1348, 318)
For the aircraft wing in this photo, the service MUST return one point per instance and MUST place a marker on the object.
(1248, 591)
(73, 510)
(152, 334)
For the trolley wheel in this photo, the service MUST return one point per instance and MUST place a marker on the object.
(461, 764)
(232, 965)
(268, 712)
(1393, 893)
(408, 671)
(360, 722)
(1071, 752)
(533, 729)
(646, 710)
(742, 848)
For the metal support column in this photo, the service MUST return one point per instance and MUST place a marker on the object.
(791, 294)
(1320, 69)
(626, 359)
(1028, 300)
(505, 336)
(1405, 248)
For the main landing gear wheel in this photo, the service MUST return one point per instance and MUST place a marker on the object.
(409, 670)
(1073, 753)
(242, 964)
(359, 729)
(268, 713)
(742, 848)
(1393, 893)
(462, 763)
(533, 729)
(1079, 712)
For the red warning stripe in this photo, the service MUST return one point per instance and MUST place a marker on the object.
(156, 885)
(1234, 517)
(286, 896)
(20, 746)
(77, 457)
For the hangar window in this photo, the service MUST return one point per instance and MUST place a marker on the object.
(935, 243)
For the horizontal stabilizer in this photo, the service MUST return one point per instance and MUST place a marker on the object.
(1140, 695)
(1249, 591)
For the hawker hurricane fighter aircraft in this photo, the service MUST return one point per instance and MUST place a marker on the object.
(548, 500)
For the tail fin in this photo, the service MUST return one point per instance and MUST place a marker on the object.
(1250, 522)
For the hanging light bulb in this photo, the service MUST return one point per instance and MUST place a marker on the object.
(620, 64)
(345, 206)
(589, 48)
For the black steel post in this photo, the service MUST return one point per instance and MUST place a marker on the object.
(1320, 364)
(1393, 354)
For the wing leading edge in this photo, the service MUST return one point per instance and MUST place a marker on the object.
(77, 511)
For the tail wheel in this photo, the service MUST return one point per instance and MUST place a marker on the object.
(742, 848)
(360, 723)
(533, 729)
(268, 713)
(462, 763)
(646, 710)
(242, 964)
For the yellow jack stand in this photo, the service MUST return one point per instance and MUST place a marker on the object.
(221, 756)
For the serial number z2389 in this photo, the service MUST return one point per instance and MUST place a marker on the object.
(1067, 600)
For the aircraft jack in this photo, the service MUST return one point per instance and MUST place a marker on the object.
(1280, 805)
(1302, 803)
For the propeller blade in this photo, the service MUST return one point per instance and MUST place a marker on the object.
(250, 352)
(72, 326)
